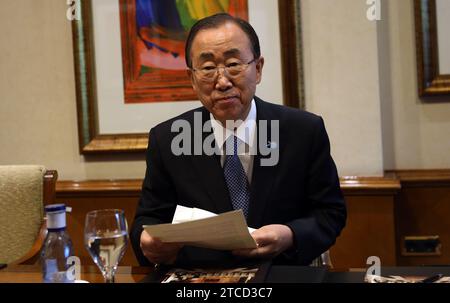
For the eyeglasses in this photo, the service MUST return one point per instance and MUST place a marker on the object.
(208, 73)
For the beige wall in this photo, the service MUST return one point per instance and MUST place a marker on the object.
(372, 124)
(341, 81)
(38, 122)
(416, 133)
(361, 77)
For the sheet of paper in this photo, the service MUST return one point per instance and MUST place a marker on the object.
(185, 214)
(226, 231)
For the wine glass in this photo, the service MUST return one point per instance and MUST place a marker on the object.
(106, 238)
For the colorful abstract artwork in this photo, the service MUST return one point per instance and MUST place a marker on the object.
(153, 35)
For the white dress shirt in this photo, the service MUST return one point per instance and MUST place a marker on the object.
(245, 131)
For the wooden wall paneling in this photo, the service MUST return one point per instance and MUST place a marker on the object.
(423, 209)
(381, 211)
(370, 229)
(90, 195)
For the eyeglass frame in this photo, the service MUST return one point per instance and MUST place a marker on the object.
(216, 72)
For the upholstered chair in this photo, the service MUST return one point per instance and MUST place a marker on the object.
(24, 189)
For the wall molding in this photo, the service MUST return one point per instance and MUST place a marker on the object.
(350, 185)
(391, 183)
(99, 188)
(421, 177)
(354, 185)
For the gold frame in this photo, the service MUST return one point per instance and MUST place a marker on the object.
(430, 81)
(92, 142)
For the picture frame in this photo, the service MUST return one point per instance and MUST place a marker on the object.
(92, 141)
(430, 81)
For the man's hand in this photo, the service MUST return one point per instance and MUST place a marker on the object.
(158, 252)
(271, 240)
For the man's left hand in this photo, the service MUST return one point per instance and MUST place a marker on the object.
(271, 240)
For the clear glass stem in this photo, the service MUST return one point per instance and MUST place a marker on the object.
(109, 277)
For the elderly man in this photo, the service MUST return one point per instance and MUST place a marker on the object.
(294, 201)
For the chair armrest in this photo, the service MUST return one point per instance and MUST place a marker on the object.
(50, 178)
(32, 256)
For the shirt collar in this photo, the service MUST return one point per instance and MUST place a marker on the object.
(245, 131)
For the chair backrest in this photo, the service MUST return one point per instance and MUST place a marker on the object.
(23, 191)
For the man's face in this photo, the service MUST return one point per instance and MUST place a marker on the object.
(227, 97)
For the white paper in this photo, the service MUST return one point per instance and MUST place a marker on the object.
(226, 231)
(185, 214)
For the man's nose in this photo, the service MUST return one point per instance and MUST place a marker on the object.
(222, 81)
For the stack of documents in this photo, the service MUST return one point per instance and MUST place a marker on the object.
(197, 227)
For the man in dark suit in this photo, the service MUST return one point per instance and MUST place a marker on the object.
(288, 187)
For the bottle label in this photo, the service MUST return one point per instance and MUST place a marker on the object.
(56, 220)
(56, 216)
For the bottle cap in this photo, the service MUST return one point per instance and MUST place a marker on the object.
(56, 216)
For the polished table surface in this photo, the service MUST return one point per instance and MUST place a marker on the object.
(127, 274)
(32, 274)
(276, 274)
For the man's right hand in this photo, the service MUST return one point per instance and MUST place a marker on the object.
(158, 252)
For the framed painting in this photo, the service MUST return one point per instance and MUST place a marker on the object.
(153, 35)
(148, 66)
(432, 18)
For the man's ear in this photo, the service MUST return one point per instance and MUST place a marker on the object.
(259, 69)
(190, 74)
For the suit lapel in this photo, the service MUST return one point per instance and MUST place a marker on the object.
(262, 176)
(211, 174)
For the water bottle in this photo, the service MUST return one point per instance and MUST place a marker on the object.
(57, 246)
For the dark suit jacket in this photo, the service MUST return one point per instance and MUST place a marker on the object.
(302, 191)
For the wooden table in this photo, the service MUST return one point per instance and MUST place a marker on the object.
(32, 274)
(293, 274)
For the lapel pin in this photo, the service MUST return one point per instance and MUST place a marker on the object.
(272, 145)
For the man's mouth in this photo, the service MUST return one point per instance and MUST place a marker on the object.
(226, 99)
